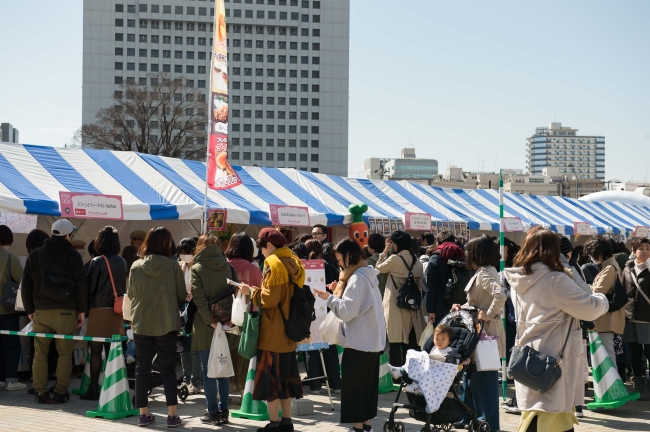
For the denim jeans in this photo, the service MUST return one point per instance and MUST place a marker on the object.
(190, 362)
(482, 395)
(130, 348)
(213, 385)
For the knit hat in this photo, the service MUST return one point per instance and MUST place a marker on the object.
(401, 238)
(273, 236)
(565, 245)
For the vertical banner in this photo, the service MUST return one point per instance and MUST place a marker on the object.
(220, 173)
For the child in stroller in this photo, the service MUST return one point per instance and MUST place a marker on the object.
(440, 408)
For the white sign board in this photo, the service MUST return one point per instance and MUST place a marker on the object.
(512, 224)
(417, 221)
(289, 215)
(641, 232)
(582, 228)
(18, 223)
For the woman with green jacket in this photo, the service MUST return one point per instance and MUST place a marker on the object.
(208, 279)
(156, 288)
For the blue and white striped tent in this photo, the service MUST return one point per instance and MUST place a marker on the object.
(161, 188)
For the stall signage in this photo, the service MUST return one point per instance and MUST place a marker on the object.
(582, 228)
(18, 223)
(91, 206)
(289, 215)
(641, 232)
(512, 224)
(217, 220)
(417, 221)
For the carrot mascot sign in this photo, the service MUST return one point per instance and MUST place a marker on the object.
(358, 229)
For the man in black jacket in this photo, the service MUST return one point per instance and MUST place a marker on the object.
(55, 298)
(438, 274)
(319, 232)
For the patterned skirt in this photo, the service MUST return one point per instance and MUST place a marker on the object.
(277, 376)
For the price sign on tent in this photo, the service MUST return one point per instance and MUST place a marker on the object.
(18, 223)
(417, 221)
(289, 215)
(641, 232)
(582, 228)
(512, 224)
(217, 220)
(91, 206)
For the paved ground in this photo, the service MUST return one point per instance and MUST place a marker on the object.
(19, 412)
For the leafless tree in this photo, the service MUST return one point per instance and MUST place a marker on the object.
(166, 118)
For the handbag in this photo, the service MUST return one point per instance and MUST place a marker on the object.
(10, 292)
(221, 306)
(250, 333)
(118, 302)
(486, 354)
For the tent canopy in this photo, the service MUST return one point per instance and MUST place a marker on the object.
(160, 188)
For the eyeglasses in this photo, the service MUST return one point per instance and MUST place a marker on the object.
(317, 233)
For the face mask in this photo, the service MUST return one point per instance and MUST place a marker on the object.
(187, 259)
(81, 252)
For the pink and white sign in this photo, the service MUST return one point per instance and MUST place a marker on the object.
(641, 232)
(582, 228)
(512, 224)
(417, 221)
(91, 206)
(18, 223)
(289, 215)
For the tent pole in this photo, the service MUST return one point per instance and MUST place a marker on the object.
(502, 265)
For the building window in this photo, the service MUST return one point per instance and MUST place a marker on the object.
(178, 68)
(142, 53)
(248, 13)
(315, 102)
(130, 23)
(167, 68)
(119, 8)
(280, 157)
(178, 10)
(292, 156)
(201, 83)
(189, 69)
(258, 156)
(190, 41)
(143, 23)
(314, 158)
(247, 155)
(119, 22)
(269, 156)
(154, 68)
(315, 74)
(315, 60)
(118, 80)
(118, 65)
(119, 37)
(142, 67)
(303, 130)
(314, 143)
(130, 8)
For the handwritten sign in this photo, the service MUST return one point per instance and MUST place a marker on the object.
(582, 228)
(217, 220)
(18, 223)
(417, 221)
(289, 215)
(512, 224)
(641, 232)
(91, 206)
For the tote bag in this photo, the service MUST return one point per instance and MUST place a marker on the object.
(219, 361)
(487, 353)
(250, 333)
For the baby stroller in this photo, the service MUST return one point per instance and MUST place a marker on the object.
(452, 410)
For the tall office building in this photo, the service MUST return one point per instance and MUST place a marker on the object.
(288, 63)
(562, 147)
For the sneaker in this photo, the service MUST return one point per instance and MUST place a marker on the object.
(191, 389)
(174, 421)
(179, 348)
(413, 388)
(223, 418)
(2, 384)
(396, 372)
(510, 406)
(578, 412)
(130, 359)
(43, 398)
(59, 398)
(211, 419)
(315, 390)
(16, 386)
(335, 391)
(145, 420)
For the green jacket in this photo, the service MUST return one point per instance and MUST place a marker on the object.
(16, 276)
(208, 279)
(156, 288)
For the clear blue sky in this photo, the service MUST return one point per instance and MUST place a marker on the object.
(461, 81)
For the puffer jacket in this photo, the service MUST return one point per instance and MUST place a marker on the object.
(100, 290)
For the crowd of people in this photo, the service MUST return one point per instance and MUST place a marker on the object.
(550, 292)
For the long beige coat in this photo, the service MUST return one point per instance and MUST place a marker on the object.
(484, 293)
(545, 301)
(399, 322)
(604, 283)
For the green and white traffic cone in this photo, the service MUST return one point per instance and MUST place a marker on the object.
(115, 397)
(251, 409)
(609, 390)
(339, 349)
(385, 378)
(85, 379)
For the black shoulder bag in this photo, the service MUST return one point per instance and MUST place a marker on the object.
(11, 288)
(534, 369)
(409, 296)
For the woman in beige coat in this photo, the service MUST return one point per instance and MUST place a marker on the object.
(404, 326)
(484, 293)
(548, 307)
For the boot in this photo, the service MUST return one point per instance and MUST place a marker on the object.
(640, 387)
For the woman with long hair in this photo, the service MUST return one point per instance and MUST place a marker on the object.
(106, 272)
(549, 306)
(156, 288)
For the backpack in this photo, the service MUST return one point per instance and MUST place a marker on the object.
(455, 288)
(618, 298)
(301, 313)
(409, 296)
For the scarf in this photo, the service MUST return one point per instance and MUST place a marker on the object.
(345, 275)
(279, 273)
(449, 250)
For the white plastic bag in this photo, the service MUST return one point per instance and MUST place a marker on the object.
(219, 362)
(426, 334)
(487, 353)
(238, 308)
(126, 308)
(332, 330)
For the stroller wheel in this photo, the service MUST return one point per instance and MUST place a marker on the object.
(183, 392)
(483, 426)
(387, 427)
(399, 427)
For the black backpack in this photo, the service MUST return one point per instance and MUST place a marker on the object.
(301, 314)
(618, 298)
(409, 296)
(455, 288)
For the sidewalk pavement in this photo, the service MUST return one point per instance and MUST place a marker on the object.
(19, 412)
